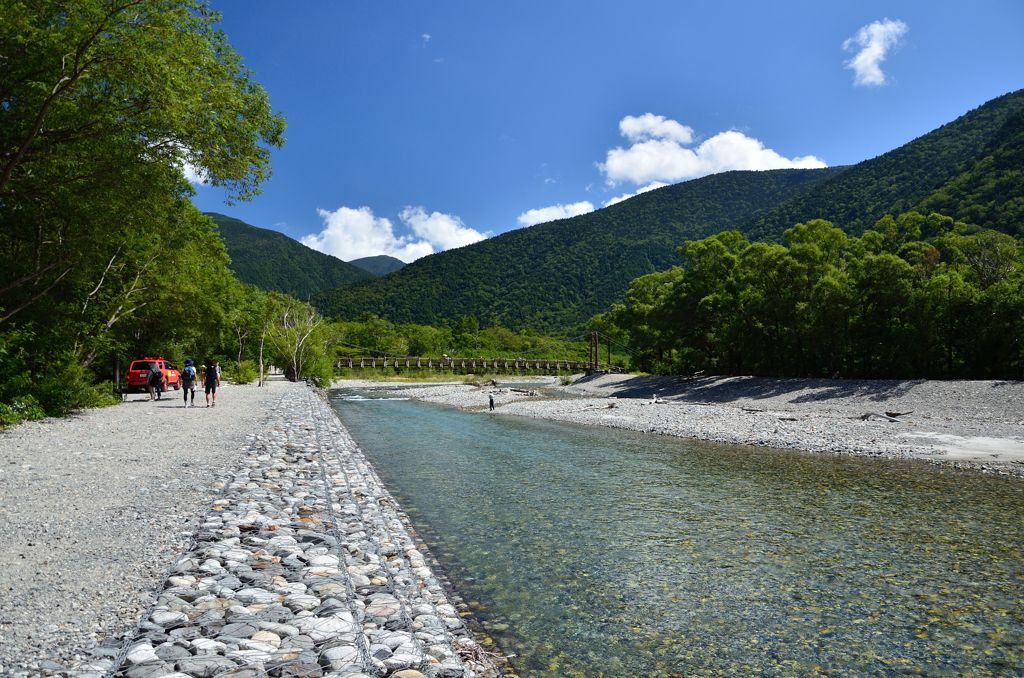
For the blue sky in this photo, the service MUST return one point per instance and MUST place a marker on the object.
(414, 127)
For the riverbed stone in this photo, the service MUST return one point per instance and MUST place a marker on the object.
(242, 629)
(205, 666)
(303, 567)
(143, 652)
(341, 657)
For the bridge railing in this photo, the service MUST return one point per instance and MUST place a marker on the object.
(447, 363)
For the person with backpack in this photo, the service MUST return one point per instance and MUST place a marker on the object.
(211, 380)
(188, 382)
(155, 382)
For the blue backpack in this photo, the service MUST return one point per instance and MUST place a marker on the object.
(189, 374)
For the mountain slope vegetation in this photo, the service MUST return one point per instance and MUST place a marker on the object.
(381, 264)
(272, 261)
(554, 276)
(990, 192)
(898, 181)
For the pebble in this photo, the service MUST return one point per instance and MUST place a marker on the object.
(302, 564)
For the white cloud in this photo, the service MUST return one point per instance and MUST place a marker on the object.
(353, 233)
(553, 212)
(443, 230)
(426, 38)
(193, 174)
(659, 153)
(626, 196)
(874, 40)
(650, 126)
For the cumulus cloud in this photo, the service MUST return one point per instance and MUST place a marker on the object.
(626, 196)
(353, 233)
(650, 126)
(350, 233)
(874, 42)
(193, 174)
(437, 228)
(541, 215)
(660, 152)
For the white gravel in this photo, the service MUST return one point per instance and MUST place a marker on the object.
(973, 424)
(97, 505)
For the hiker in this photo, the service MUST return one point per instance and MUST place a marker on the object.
(155, 382)
(188, 382)
(491, 398)
(211, 380)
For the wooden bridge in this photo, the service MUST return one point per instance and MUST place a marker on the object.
(591, 365)
(474, 364)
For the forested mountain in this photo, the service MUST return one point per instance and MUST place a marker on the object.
(901, 179)
(558, 274)
(381, 264)
(991, 191)
(273, 261)
(554, 276)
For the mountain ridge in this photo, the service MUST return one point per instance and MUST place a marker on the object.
(272, 261)
(378, 265)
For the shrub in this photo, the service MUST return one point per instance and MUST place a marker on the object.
(320, 372)
(243, 372)
(21, 408)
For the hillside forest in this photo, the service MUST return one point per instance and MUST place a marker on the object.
(914, 296)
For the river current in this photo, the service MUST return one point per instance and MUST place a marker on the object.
(597, 552)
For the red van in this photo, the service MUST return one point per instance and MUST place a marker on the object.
(138, 375)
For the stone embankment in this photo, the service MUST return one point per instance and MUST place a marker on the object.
(304, 566)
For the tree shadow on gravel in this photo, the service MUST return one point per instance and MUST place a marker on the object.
(729, 389)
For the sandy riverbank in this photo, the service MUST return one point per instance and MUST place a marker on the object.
(971, 424)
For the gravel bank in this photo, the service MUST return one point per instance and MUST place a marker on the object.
(251, 538)
(96, 506)
(971, 424)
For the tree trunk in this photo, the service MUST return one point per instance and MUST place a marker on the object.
(263, 337)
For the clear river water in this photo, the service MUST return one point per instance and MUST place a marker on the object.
(597, 552)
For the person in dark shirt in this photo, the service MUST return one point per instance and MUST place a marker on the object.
(155, 382)
(188, 382)
(211, 380)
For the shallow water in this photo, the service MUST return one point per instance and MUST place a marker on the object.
(592, 551)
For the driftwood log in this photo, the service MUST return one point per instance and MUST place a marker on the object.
(875, 415)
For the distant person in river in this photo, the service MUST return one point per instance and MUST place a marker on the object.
(155, 381)
(188, 382)
(491, 399)
(211, 380)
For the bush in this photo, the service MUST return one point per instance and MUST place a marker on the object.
(21, 409)
(243, 372)
(69, 387)
(320, 372)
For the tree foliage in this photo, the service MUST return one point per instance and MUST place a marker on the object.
(914, 296)
(102, 104)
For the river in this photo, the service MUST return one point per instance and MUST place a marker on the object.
(597, 552)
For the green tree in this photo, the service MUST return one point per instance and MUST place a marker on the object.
(102, 105)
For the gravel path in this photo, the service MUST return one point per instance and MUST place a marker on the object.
(972, 424)
(94, 508)
(250, 539)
